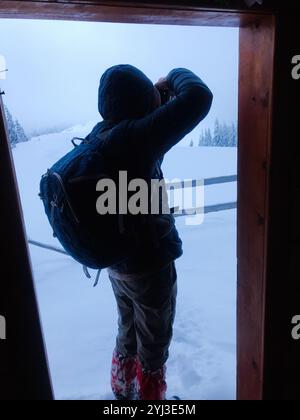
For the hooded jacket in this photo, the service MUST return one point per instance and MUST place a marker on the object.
(137, 137)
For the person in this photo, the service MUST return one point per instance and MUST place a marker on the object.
(144, 121)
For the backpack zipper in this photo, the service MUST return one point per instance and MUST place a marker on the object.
(59, 178)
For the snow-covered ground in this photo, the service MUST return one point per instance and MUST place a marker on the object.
(80, 322)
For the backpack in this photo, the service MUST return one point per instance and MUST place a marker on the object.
(68, 192)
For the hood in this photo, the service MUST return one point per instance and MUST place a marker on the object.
(125, 92)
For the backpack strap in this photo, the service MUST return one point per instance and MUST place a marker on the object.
(86, 272)
(83, 141)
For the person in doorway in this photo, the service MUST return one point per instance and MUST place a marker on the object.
(145, 121)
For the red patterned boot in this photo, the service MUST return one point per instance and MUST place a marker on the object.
(151, 384)
(123, 377)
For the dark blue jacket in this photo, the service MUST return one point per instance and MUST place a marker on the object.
(137, 139)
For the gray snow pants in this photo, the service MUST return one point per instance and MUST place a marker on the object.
(146, 309)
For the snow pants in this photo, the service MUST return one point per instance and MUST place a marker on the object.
(146, 309)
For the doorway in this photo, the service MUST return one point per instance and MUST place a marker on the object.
(255, 104)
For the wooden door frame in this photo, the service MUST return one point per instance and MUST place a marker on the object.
(256, 66)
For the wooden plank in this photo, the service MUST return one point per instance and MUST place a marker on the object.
(47, 246)
(127, 12)
(213, 208)
(23, 366)
(193, 183)
(255, 111)
(282, 367)
(220, 180)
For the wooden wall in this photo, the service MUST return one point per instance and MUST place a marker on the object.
(282, 353)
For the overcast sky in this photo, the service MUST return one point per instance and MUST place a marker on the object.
(55, 67)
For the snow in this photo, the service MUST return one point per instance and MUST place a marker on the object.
(80, 321)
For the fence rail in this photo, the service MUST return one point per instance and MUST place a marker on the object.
(193, 183)
(207, 209)
(46, 246)
(186, 212)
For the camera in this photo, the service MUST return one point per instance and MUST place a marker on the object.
(165, 95)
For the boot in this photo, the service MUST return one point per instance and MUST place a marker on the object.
(123, 377)
(151, 384)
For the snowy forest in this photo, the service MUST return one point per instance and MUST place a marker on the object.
(223, 135)
(16, 133)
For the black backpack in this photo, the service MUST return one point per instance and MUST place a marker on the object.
(68, 191)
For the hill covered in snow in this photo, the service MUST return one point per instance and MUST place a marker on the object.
(80, 322)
